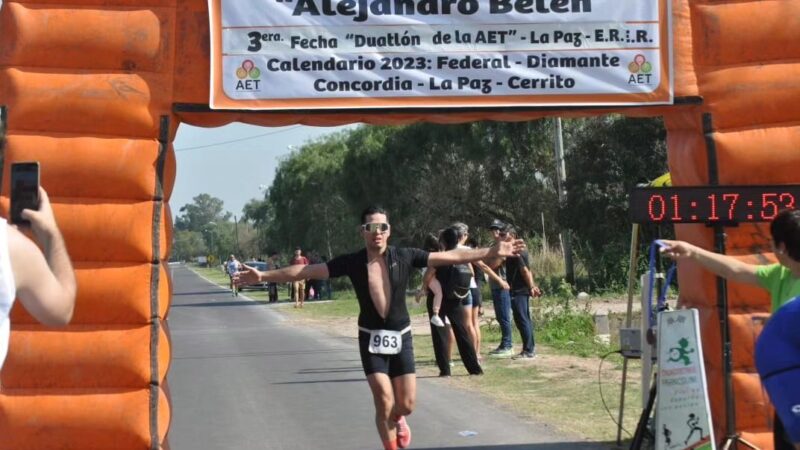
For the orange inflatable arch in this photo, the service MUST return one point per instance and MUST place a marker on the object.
(96, 90)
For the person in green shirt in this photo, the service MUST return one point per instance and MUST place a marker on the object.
(781, 279)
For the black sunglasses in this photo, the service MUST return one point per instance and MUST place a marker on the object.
(375, 227)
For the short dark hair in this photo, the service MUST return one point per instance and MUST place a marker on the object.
(431, 243)
(370, 210)
(785, 229)
(449, 238)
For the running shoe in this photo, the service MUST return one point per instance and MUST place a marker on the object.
(525, 355)
(403, 433)
(500, 352)
(437, 321)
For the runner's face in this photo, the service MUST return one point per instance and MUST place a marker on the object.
(376, 240)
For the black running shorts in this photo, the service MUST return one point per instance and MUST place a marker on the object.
(392, 365)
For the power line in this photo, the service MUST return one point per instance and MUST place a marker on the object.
(238, 140)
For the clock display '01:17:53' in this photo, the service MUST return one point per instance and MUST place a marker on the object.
(711, 204)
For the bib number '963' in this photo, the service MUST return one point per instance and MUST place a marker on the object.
(385, 342)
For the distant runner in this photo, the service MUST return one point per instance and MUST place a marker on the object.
(380, 275)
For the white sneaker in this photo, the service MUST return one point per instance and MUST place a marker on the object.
(437, 321)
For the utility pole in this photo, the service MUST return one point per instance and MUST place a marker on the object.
(561, 181)
(236, 236)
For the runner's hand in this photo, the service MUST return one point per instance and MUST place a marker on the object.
(508, 247)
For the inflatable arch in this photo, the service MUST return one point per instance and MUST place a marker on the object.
(96, 89)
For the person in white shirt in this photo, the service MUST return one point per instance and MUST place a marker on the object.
(41, 278)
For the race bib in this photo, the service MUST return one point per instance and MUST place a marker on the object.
(385, 342)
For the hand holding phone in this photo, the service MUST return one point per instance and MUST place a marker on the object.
(24, 190)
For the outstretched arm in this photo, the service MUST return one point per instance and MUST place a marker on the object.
(725, 266)
(460, 256)
(45, 280)
(250, 275)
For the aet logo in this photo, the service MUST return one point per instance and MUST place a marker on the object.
(640, 70)
(248, 75)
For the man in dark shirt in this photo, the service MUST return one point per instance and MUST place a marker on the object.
(380, 275)
(520, 280)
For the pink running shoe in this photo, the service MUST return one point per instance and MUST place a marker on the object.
(403, 433)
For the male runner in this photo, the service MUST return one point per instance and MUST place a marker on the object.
(380, 275)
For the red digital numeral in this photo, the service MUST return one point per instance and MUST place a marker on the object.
(676, 216)
(656, 201)
(733, 198)
(787, 200)
(713, 216)
(769, 206)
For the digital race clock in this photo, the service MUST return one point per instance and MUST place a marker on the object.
(711, 204)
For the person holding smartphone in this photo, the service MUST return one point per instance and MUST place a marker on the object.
(42, 279)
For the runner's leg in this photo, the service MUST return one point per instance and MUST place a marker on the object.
(383, 396)
(405, 397)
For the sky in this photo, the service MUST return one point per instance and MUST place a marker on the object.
(235, 162)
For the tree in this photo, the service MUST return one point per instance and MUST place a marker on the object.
(187, 245)
(205, 209)
(606, 157)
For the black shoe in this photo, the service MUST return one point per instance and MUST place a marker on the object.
(525, 355)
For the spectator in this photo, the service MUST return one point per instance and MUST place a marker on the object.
(522, 288)
(781, 279)
(453, 306)
(501, 296)
(41, 277)
(272, 288)
(462, 233)
(477, 297)
(431, 288)
(299, 286)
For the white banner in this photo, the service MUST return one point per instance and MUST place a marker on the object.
(683, 413)
(427, 53)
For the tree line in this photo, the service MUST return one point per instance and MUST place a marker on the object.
(429, 175)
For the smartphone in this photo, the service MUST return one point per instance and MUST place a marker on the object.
(24, 190)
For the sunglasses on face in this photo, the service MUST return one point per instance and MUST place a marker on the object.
(375, 227)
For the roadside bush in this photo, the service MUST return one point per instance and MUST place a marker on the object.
(560, 325)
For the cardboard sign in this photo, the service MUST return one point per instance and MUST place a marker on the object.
(683, 414)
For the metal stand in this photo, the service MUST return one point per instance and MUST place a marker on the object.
(732, 437)
(641, 427)
(631, 284)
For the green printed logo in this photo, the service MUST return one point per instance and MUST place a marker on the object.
(681, 352)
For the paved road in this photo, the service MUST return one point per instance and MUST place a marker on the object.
(242, 378)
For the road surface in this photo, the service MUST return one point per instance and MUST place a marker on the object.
(242, 378)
